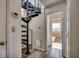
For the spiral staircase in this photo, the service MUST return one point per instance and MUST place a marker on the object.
(33, 9)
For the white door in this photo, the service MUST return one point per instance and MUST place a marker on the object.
(2, 28)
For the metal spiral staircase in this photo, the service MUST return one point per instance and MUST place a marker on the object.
(33, 10)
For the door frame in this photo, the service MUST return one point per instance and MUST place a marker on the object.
(4, 6)
(6, 28)
(68, 41)
(51, 23)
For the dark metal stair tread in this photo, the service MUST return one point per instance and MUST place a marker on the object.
(24, 31)
(24, 43)
(25, 20)
(34, 15)
(30, 44)
(24, 35)
(25, 3)
(30, 6)
(24, 39)
(24, 26)
(29, 9)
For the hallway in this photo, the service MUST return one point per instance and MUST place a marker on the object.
(54, 53)
(39, 29)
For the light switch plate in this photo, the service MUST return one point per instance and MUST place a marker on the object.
(13, 28)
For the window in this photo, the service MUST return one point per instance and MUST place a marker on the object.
(56, 26)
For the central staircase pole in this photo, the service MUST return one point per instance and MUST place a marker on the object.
(27, 50)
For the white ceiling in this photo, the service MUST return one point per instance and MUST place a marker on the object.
(48, 3)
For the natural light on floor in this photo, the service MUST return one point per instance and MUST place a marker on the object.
(57, 45)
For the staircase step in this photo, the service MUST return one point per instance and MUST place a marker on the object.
(24, 39)
(24, 35)
(24, 4)
(25, 20)
(31, 7)
(24, 31)
(34, 15)
(24, 43)
(30, 44)
(24, 26)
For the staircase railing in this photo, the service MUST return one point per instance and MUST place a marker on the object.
(33, 8)
(30, 38)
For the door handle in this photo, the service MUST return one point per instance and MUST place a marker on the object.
(2, 43)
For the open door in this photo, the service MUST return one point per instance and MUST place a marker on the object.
(2, 28)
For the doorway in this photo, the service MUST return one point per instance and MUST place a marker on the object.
(54, 35)
(56, 23)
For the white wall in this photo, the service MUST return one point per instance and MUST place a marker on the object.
(73, 8)
(37, 24)
(13, 38)
(55, 8)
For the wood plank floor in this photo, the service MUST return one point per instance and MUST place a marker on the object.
(53, 53)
